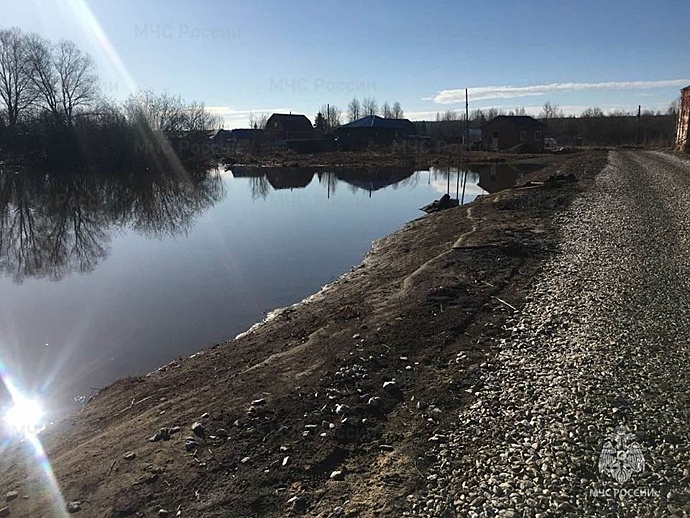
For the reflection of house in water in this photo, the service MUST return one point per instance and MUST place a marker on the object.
(277, 177)
(246, 172)
(300, 177)
(497, 177)
(284, 178)
(373, 180)
(263, 179)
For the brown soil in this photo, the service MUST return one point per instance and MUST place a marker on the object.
(423, 309)
(376, 159)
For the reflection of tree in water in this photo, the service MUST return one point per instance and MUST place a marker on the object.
(45, 228)
(259, 187)
(52, 225)
(167, 206)
(330, 180)
(454, 178)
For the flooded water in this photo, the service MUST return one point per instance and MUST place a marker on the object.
(111, 276)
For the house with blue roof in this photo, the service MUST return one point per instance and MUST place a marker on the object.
(373, 131)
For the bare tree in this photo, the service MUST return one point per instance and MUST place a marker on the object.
(63, 77)
(258, 120)
(478, 115)
(369, 106)
(397, 111)
(517, 112)
(15, 80)
(332, 115)
(550, 111)
(43, 74)
(77, 79)
(353, 110)
(493, 113)
(593, 112)
(159, 112)
(450, 115)
(386, 111)
(198, 119)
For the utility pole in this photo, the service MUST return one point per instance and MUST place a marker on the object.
(639, 123)
(467, 119)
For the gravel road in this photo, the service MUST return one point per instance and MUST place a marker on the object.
(602, 342)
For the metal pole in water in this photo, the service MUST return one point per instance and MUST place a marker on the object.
(464, 184)
(467, 120)
(457, 181)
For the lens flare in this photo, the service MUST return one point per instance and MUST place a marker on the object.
(25, 417)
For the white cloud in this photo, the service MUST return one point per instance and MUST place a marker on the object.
(228, 110)
(421, 116)
(511, 92)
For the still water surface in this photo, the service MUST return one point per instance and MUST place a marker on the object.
(105, 277)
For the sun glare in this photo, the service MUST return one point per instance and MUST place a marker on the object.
(25, 416)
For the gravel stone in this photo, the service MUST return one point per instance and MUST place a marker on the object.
(602, 341)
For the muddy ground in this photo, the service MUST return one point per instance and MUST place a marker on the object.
(375, 159)
(326, 409)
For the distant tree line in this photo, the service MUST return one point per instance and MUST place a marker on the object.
(368, 106)
(330, 116)
(591, 127)
(618, 127)
(52, 110)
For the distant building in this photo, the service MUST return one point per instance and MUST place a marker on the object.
(285, 127)
(473, 134)
(682, 142)
(247, 140)
(220, 135)
(373, 130)
(238, 140)
(508, 131)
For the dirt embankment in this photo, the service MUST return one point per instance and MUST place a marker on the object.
(379, 159)
(325, 410)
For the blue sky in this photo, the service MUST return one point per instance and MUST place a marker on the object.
(270, 56)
